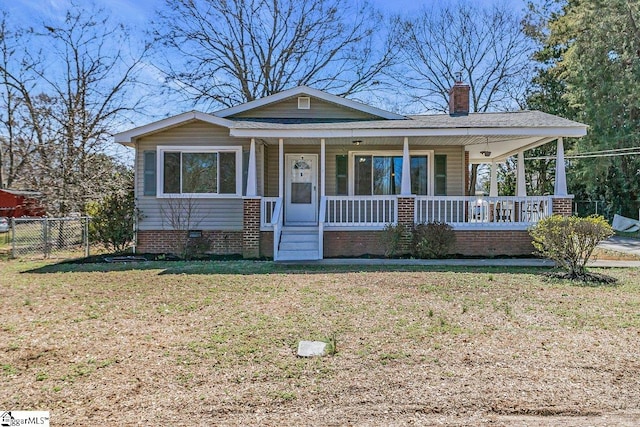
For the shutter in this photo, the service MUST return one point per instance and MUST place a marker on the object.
(149, 173)
(440, 175)
(341, 175)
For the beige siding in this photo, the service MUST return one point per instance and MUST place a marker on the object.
(288, 109)
(455, 164)
(211, 213)
(455, 169)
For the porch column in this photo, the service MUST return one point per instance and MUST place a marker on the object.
(493, 188)
(405, 187)
(280, 168)
(560, 187)
(322, 167)
(521, 187)
(251, 172)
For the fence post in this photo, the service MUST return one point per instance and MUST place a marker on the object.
(86, 237)
(13, 237)
(45, 236)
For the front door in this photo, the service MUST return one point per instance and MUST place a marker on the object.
(301, 198)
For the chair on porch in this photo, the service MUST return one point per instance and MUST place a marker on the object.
(503, 212)
(534, 211)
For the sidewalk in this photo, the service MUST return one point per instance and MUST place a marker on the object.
(482, 262)
(621, 244)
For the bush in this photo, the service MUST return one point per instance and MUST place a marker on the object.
(570, 241)
(195, 247)
(112, 220)
(433, 240)
(391, 239)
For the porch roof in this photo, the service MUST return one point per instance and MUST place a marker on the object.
(503, 134)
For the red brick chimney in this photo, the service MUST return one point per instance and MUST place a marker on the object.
(459, 98)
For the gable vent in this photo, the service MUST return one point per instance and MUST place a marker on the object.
(304, 103)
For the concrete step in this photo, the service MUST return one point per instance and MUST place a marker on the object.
(306, 255)
(298, 246)
(299, 238)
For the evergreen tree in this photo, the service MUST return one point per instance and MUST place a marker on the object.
(590, 69)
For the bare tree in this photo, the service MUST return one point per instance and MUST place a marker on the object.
(486, 45)
(62, 104)
(236, 51)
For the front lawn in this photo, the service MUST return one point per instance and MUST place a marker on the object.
(214, 344)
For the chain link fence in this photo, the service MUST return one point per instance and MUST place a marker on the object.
(585, 208)
(49, 237)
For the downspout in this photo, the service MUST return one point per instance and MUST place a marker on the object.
(135, 197)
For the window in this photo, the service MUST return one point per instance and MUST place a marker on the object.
(382, 174)
(199, 172)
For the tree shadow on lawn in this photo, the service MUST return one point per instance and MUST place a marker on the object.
(248, 267)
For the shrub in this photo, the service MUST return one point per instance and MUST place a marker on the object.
(195, 247)
(570, 241)
(112, 220)
(433, 240)
(391, 239)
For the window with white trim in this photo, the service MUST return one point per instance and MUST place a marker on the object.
(199, 171)
(381, 173)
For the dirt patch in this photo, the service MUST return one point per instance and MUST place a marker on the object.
(161, 345)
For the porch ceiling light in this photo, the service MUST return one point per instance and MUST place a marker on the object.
(356, 141)
(487, 152)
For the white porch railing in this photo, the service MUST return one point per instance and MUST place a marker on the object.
(322, 214)
(499, 211)
(266, 212)
(360, 211)
(276, 223)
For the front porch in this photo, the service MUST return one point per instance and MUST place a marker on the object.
(362, 218)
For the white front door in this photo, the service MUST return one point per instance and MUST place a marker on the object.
(301, 197)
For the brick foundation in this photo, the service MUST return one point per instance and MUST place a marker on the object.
(468, 243)
(352, 244)
(159, 241)
(345, 243)
(493, 243)
(266, 244)
(251, 228)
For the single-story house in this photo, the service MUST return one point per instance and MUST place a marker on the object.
(303, 174)
(18, 203)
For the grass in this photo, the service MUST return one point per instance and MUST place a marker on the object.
(216, 342)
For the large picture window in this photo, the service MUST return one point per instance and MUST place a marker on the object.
(375, 174)
(199, 172)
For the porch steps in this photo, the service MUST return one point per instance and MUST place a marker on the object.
(299, 244)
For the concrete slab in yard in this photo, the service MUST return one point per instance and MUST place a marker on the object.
(311, 348)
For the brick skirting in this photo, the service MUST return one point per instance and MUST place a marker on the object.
(266, 244)
(159, 241)
(347, 243)
(493, 243)
(468, 243)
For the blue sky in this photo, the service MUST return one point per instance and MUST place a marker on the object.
(140, 11)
